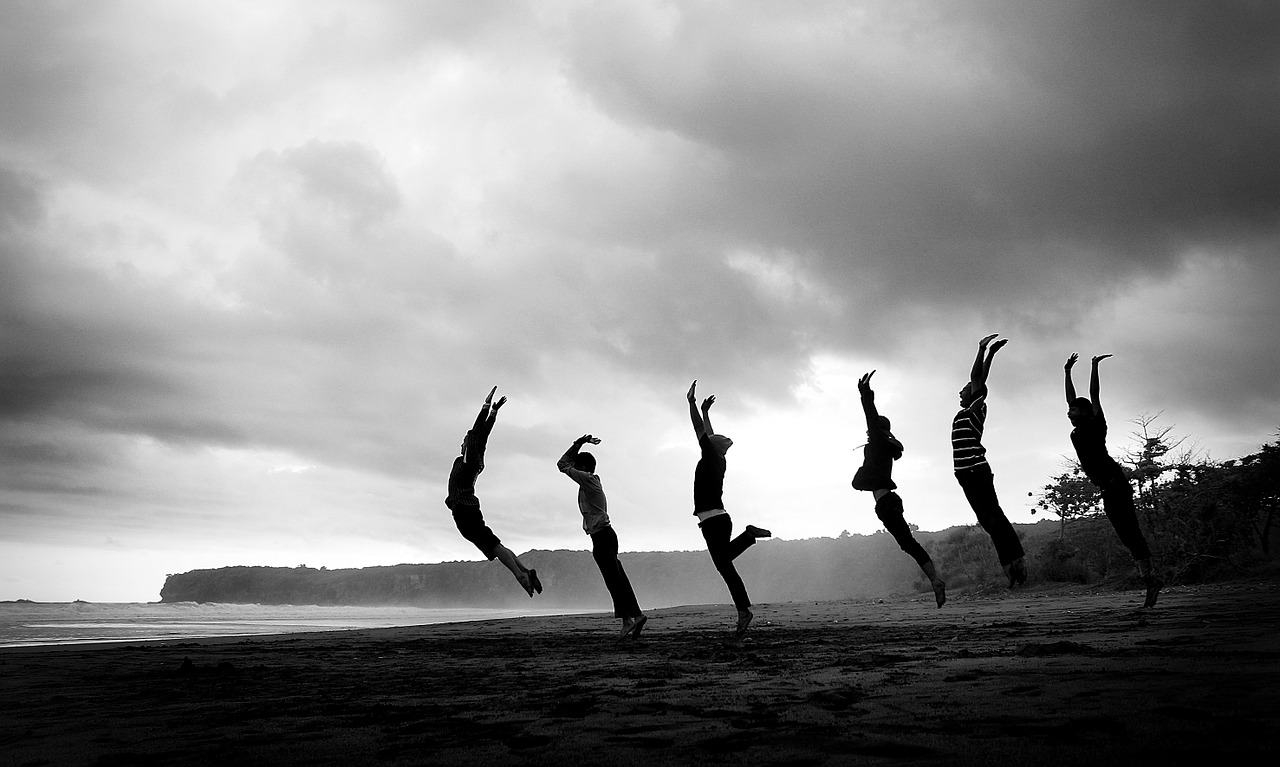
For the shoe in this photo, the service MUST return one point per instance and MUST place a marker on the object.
(757, 532)
(940, 592)
(1154, 585)
(534, 582)
(744, 620)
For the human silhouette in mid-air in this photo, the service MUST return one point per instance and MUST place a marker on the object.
(708, 507)
(875, 476)
(581, 468)
(971, 467)
(1089, 436)
(464, 504)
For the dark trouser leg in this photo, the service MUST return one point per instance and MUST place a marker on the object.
(889, 510)
(1117, 502)
(604, 549)
(979, 487)
(716, 532)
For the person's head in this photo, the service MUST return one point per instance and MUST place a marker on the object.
(968, 393)
(585, 462)
(1080, 411)
(721, 443)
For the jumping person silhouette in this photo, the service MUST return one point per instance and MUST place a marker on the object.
(464, 504)
(971, 467)
(581, 467)
(708, 507)
(875, 476)
(1089, 436)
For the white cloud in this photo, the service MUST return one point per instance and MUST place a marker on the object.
(259, 263)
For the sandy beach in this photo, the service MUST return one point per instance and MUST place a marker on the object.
(1050, 676)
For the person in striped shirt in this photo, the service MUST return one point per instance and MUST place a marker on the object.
(971, 467)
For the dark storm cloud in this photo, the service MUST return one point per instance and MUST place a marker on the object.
(954, 152)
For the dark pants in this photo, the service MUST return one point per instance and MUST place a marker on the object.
(604, 549)
(889, 510)
(716, 532)
(1117, 503)
(979, 487)
(470, 522)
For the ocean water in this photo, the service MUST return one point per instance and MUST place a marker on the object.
(29, 624)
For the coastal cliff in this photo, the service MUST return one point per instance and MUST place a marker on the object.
(849, 567)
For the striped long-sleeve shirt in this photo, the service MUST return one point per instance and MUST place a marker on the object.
(966, 435)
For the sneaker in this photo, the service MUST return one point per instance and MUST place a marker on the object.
(1154, 585)
(758, 532)
(534, 582)
(744, 620)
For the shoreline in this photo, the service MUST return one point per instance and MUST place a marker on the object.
(1059, 678)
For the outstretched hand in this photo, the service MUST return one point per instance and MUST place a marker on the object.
(864, 383)
(1101, 357)
(489, 399)
(1071, 361)
(585, 438)
(691, 396)
(501, 401)
(998, 344)
(708, 402)
(983, 343)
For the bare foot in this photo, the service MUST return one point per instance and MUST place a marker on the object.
(744, 620)
(940, 592)
(631, 627)
(1154, 585)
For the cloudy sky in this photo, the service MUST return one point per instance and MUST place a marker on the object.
(260, 262)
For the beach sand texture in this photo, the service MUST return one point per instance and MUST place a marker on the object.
(1056, 676)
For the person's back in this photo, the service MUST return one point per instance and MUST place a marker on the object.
(708, 477)
(1089, 437)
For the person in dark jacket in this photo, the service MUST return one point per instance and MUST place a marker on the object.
(1089, 436)
(708, 507)
(464, 504)
(875, 476)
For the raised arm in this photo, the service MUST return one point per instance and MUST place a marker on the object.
(869, 401)
(978, 374)
(1071, 387)
(984, 370)
(706, 414)
(483, 415)
(566, 462)
(1093, 383)
(699, 428)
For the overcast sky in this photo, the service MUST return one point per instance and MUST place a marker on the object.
(261, 262)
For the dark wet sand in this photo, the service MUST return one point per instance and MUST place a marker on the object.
(1043, 678)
